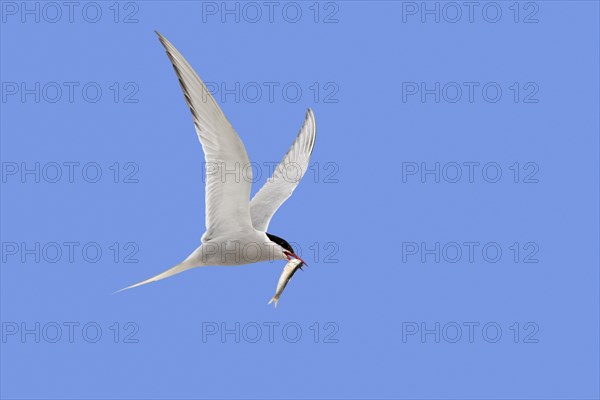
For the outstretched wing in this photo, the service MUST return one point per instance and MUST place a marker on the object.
(286, 176)
(227, 195)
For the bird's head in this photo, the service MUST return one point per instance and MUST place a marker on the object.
(286, 249)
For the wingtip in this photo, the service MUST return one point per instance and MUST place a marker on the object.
(310, 115)
(163, 40)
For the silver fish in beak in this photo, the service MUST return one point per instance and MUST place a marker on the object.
(288, 271)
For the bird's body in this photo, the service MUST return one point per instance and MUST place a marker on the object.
(238, 248)
(236, 228)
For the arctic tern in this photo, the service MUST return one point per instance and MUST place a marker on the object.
(236, 228)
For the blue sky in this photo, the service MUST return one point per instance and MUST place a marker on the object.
(449, 216)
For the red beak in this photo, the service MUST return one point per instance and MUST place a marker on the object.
(293, 255)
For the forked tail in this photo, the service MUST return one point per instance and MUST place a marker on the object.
(185, 265)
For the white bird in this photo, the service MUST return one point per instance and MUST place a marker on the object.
(235, 226)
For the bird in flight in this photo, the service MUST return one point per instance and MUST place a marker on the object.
(236, 227)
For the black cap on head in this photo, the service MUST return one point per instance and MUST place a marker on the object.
(281, 242)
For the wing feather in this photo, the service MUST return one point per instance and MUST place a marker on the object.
(286, 176)
(227, 195)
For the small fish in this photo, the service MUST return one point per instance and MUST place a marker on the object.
(288, 271)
